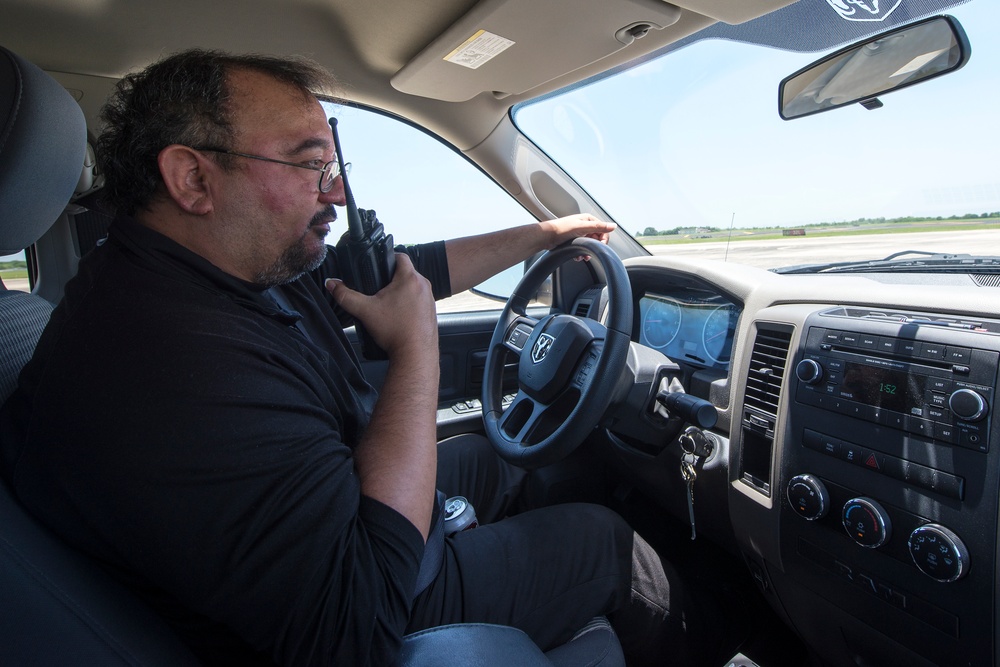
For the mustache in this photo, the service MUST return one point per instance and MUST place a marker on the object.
(323, 217)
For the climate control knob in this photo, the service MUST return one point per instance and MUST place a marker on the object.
(967, 404)
(809, 371)
(866, 522)
(939, 553)
(808, 497)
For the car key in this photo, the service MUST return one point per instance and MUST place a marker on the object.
(694, 441)
(689, 474)
(696, 445)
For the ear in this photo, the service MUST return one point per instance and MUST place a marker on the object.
(186, 174)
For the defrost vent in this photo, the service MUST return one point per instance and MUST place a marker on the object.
(986, 279)
(923, 319)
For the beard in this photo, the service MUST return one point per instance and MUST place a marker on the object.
(301, 257)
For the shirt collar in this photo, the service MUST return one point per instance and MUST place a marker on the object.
(171, 259)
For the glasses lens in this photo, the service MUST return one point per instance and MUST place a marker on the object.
(330, 172)
(327, 176)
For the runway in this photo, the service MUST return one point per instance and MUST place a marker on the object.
(791, 250)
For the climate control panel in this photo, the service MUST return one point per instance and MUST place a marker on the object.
(934, 549)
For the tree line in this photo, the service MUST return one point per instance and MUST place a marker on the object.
(652, 231)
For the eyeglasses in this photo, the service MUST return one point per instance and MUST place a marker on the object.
(327, 173)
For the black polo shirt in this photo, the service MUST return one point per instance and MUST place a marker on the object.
(177, 425)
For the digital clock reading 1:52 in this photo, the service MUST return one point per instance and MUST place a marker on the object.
(886, 388)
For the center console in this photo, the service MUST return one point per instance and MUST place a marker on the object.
(887, 487)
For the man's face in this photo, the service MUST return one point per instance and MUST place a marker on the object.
(275, 214)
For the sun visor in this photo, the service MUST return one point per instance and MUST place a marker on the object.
(507, 47)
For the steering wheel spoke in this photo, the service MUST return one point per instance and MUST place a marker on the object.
(518, 332)
(520, 417)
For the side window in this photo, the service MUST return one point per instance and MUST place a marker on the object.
(421, 189)
(14, 272)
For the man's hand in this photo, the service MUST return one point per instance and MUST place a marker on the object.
(396, 458)
(573, 226)
(400, 317)
(473, 259)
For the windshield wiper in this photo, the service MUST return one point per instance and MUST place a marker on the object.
(927, 262)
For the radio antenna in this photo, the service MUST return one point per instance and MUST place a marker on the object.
(354, 224)
(728, 240)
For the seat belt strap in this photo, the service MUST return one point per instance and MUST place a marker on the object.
(433, 557)
(430, 563)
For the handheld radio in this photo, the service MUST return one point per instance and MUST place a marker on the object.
(369, 258)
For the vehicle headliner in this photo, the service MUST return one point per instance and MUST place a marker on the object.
(88, 44)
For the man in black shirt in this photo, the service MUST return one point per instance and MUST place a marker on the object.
(195, 418)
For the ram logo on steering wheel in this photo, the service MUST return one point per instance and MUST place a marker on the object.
(541, 347)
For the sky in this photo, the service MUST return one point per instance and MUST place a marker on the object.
(686, 141)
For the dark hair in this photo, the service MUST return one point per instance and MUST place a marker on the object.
(183, 99)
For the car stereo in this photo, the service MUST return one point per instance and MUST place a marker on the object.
(941, 392)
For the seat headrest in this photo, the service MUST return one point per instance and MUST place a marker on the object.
(43, 138)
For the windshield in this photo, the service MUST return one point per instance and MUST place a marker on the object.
(688, 154)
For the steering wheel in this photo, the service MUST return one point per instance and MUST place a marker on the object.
(568, 367)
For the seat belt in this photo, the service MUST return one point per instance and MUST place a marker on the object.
(285, 306)
(430, 563)
(433, 557)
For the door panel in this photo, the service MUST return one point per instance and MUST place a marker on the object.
(463, 342)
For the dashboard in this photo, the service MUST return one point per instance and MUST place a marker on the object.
(857, 462)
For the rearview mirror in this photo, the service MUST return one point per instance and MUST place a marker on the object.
(861, 72)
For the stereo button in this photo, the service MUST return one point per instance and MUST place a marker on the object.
(919, 426)
(931, 351)
(936, 399)
(959, 355)
(831, 336)
(937, 414)
(946, 433)
(868, 342)
(892, 419)
(809, 371)
(967, 405)
(940, 384)
(887, 344)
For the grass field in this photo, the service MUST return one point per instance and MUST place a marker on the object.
(820, 231)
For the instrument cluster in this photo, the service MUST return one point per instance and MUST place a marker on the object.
(696, 328)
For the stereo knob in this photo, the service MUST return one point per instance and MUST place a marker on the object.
(866, 522)
(808, 497)
(809, 371)
(939, 553)
(968, 405)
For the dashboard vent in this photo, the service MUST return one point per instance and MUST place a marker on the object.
(767, 368)
(588, 302)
